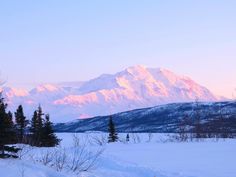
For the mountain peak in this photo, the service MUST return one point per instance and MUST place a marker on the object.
(136, 68)
(45, 88)
(133, 88)
(10, 92)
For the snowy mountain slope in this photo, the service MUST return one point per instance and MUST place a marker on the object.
(135, 87)
(159, 119)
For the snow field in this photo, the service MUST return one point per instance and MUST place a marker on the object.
(141, 157)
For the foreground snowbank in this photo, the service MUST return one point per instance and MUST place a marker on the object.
(165, 159)
(22, 168)
(199, 159)
(141, 157)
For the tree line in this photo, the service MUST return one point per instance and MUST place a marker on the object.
(221, 125)
(16, 129)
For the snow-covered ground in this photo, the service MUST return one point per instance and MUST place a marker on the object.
(23, 168)
(157, 158)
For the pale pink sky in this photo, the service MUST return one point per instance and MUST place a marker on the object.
(53, 41)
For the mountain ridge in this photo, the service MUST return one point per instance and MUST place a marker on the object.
(157, 119)
(133, 88)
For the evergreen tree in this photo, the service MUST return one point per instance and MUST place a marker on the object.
(49, 139)
(37, 127)
(42, 133)
(10, 120)
(7, 135)
(3, 126)
(33, 127)
(21, 123)
(127, 138)
(12, 130)
(40, 119)
(113, 137)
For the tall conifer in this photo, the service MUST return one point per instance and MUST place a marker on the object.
(113, 137)
(21, 123)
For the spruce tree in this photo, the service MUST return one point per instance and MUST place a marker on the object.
(112, 132)
(42, 133)
(37, 127)
(11, 126)
(21, 123)
(3, 126)
(7, 131)
(10, 120)
(33, 126)
(49, 139)
(127, 138)
(40, 118)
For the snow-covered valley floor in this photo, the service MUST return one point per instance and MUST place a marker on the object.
(138, 158)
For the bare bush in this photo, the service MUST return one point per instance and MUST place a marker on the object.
(135, 138)
(76, 140)
(46, 157)
(60, 159)
(100, 139)
(83, 160)
(76, 159)
(24, 150)
(150, 137)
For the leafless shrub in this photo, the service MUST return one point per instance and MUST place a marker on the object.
(76, 159)
(167, 138)
(76, 140)
(135, 138)
(25, 150)
(150, 137)
(46, 157)
(124, 140)
(60, 159)
(100, 139)
(83, 160)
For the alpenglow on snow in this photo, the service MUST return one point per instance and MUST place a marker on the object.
(133, 88)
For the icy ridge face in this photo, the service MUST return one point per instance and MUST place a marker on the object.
(135, 87)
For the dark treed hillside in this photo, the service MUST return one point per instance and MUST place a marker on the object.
(162, 119)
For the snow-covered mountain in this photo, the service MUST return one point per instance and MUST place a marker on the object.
(135, 87)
